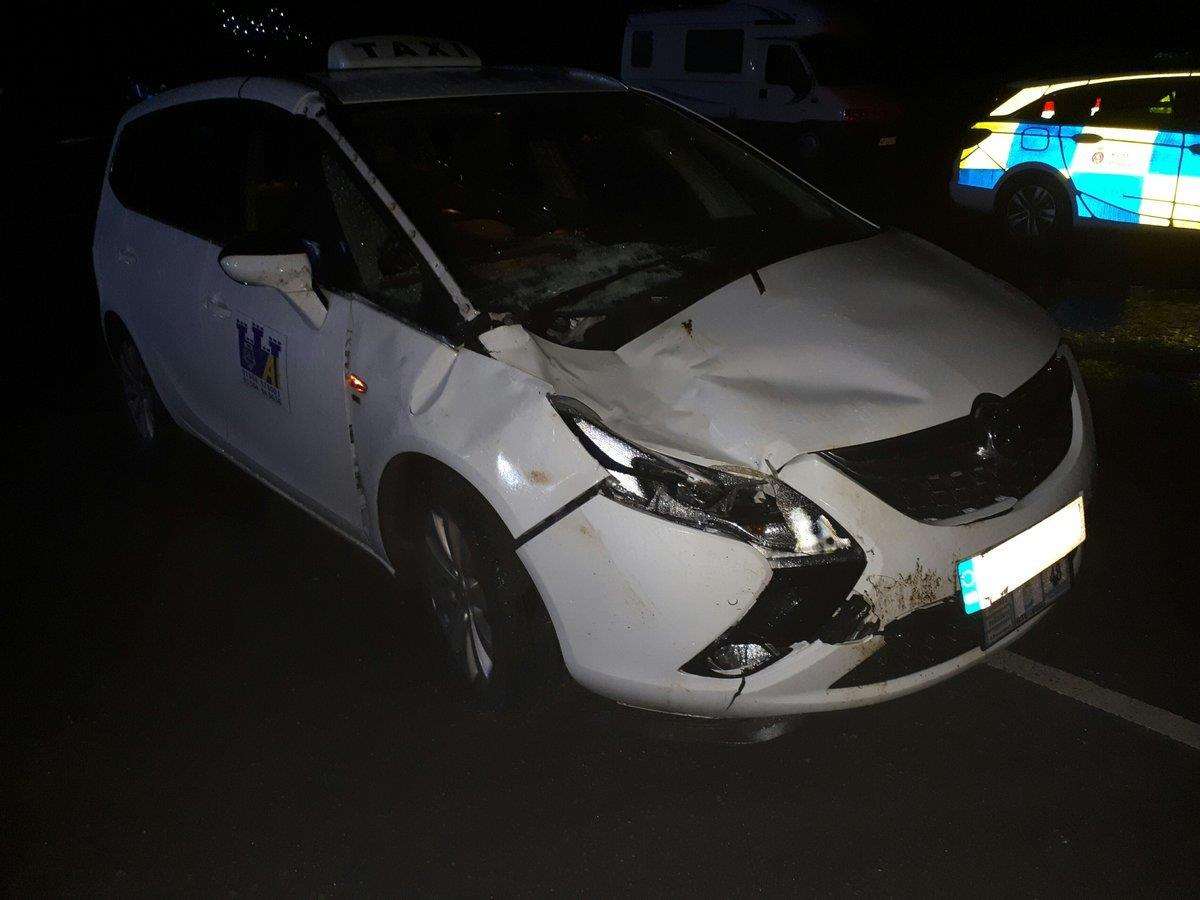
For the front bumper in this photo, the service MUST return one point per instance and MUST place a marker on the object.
(634, 597)
(979, 199)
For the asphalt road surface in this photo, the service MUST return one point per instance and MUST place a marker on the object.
(212, 693)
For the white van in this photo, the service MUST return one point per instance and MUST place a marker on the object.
(764, 65)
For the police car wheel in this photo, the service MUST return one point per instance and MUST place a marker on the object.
(1034, 211)
(498, 638)
(144, 409)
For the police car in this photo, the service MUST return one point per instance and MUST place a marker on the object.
(1120, 149)
(627, 398)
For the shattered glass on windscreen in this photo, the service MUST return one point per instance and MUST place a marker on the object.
(587, 217)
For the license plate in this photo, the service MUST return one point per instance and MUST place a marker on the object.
(1015, 607)
(1028, 566)
(889, 141)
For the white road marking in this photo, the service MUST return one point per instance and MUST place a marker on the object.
(1177, 728)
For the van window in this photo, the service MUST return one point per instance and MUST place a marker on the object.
(713, 50)
(785, 67)
(641, 49)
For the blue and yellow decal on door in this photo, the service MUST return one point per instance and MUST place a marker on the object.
(261, 355)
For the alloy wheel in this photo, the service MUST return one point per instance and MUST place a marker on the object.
(1031, 212)
(459, 600)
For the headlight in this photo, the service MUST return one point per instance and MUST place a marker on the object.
(735, 502)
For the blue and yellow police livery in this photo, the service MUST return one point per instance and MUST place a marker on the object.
(1115, 149)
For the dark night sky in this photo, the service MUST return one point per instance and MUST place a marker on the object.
(83, 60)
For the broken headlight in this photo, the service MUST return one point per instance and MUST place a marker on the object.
(739, 503)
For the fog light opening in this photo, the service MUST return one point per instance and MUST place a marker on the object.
(733, 659)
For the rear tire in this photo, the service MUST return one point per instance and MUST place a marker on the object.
(1034, 211)
(151, 430)
(499, 640)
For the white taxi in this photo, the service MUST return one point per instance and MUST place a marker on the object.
(625, 396)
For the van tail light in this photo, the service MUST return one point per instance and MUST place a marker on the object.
(1048, 109)
(862, 114)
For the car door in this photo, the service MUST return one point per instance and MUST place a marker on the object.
(176, 176)
(282, 377)
(1124, 160)
(1187, 193)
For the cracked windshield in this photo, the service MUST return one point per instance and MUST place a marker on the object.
(588, 217)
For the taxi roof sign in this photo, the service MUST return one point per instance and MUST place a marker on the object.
(399, 51)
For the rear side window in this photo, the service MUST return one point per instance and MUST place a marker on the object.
(183, 166)
(641, 49)
(1149, 103)
(714, 50)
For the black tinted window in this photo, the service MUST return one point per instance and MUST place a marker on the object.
(1148, 103)
(713, 50)
(183, 167)
(286, 198)
(641, 49)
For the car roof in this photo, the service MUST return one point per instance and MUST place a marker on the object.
(1025, 92)
(354, 86)
(373, 85)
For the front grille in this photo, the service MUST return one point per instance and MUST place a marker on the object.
(1001, 451)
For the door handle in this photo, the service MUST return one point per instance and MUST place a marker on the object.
(1086, 138)
(215, 305)
(1194, 149)
(127, 256)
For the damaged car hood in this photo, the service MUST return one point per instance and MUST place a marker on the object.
(847, 344)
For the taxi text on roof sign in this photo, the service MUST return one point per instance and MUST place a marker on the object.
(390, 51)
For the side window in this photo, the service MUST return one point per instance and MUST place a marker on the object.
(1148, 103)
(286, 200)
(641, 49)
(713, 50)
(785, 67)
(386, 266)
(137, 169)
(182, 166)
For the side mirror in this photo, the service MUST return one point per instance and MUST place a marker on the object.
(288, 273)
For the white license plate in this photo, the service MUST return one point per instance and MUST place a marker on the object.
(985, 578)
(889, 141)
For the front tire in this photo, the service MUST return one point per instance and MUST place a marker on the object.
(1034, 211)
(499, 641)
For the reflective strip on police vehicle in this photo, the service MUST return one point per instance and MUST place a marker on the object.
(1121, 149)
(624, 398)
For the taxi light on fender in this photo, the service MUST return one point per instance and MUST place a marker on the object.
(735, 502)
